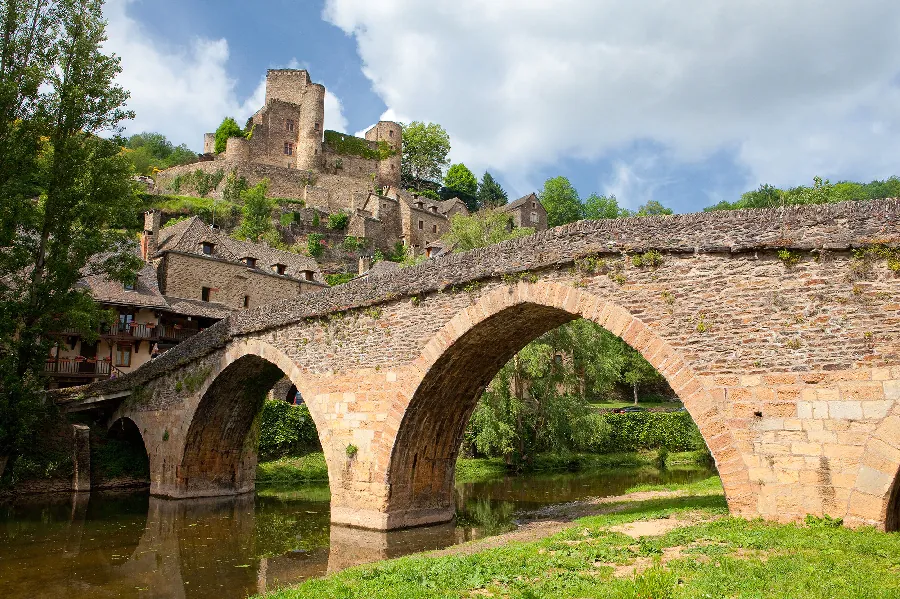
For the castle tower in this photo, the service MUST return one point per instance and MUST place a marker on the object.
(311, 128)
(389, 168)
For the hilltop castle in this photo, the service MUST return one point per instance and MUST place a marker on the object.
(329, 172)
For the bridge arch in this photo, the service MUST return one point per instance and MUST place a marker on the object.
(126, 431)
(219, 453)
(462, 358)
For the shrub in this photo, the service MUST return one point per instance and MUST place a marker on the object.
(338, 221)
(339, 278)
(351, 243)
(674, 431)
(286, 429)
(314, 245)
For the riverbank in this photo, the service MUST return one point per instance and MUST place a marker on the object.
(312, 468)
(660, 542)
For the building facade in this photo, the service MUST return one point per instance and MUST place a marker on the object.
(192, 278)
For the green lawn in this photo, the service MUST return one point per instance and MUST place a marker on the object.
(649, 404)
(311, 467)
(712, 555)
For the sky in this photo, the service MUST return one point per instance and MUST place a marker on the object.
(687, 103)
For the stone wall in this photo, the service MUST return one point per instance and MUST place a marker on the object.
(790, 368)
(186, 274)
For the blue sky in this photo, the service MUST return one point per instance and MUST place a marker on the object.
(685, 103)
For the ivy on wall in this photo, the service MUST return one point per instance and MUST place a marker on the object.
(348, 145)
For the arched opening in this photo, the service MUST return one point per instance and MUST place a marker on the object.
(423, 459)
(892, 519)
(221, 445)
(121, 456)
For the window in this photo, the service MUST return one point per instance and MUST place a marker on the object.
(250, 262)
(123, 355)
(533, 204)
(289, 124)
(534, 217)
(288, 148)
(317, 127)
(421, 224)
(391, 133)
(279, 268)
(204, 293)
(129, 286)
(434, 228)
(246, 301)
(306, 275)
(208, 248)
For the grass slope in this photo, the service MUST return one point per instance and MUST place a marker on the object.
(716, 556)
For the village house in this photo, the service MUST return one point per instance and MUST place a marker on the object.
(193, 276)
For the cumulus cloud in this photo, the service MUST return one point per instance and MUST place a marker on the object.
(790, 89)
(184, 92)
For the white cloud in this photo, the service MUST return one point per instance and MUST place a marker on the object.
(184, 92)
(334, 113)
(793, 89)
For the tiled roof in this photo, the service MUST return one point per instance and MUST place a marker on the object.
(531, 197)
(190, 307)
(189, 235)
(145, 294)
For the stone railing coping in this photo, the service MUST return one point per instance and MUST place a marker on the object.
(830, 226)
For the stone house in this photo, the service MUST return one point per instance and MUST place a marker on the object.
(192, 278)
(527, 211)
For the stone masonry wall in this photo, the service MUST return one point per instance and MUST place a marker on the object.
(186, 275)
(791, 370)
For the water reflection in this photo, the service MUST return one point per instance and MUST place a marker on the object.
(132, 545)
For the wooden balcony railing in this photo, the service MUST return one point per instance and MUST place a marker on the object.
(172, 333)
(72, 367)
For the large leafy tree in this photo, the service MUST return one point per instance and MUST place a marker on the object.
(598, 207)
(460, 182)
(653, 208)
(425, 150)
(560, 200)
(148, 151)
(227, 129)
(490, 193)
(64, 191)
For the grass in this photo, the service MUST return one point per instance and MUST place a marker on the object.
(716, 556)
(312, 467)
(649, 404)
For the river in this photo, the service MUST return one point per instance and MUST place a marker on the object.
(128, 544)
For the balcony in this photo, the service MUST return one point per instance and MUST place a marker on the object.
(170, 332)
(70, 367)
(131, 330)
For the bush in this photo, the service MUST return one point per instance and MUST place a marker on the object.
(339, 278)
(674, 431)
(286, 430)
(338, 221)
(314, 245)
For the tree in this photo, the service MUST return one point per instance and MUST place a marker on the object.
(149, 151)
(228, 128)
(425, 149)
(560, 200)
(653, 208)
(481, 229)
(460, 182)
(490, 193)
(256, 222)
(460, 178)
(637, 371)
(65, 192)
(598, 207)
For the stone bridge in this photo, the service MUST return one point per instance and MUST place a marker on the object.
(779, 329)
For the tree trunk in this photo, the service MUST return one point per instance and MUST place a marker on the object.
(635, 386)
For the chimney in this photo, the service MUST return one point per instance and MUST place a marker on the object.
(365, 263)
(150, 237)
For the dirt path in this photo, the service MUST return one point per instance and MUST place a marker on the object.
(552, 519)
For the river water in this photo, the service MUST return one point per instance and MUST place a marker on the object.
(128, 544)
